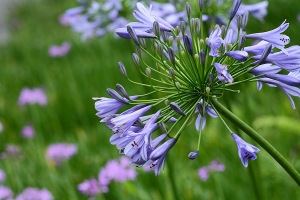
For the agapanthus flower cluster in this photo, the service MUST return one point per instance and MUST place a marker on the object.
(214, 166)
(96, 18)
(59, 152)
(114, 170)
(192, 69)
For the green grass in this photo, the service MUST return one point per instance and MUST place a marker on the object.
(91, 67)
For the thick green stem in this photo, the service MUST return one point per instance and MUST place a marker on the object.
(259, 139)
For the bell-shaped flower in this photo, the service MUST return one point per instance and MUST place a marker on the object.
(223, 74)
(274, 37)
(257, 49)
(214, 42)
(246, 151)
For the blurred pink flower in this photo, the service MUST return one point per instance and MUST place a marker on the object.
(61, 151)
(214, 165)
(28, 131)
(34, 193)
(32, 96)
(117, 171)
(1, 127)
(92, 187)
(2, 176)
(5, 193)
(11, 150)
(59, 51)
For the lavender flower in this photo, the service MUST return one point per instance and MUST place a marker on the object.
(60, 151)
(223, 74)
(32, 96)
(2, 176)
(34, 193)
(246, 151)
(214, 42)
(5, 193)
(59, 51)
(202, 115)
(258, 10)
(117, 171)
(28, 131)
(1, 127)
(274, 37)
(238, 55)
(215, 165)
(92, 187)
(11, 150)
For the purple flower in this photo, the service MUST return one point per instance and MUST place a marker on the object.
(60, 151)
(274, 37)
(229, 38)
(223, 74)
(11, 150)
(32, 96)
(258, 10)
(117, 171)
(69, 14)
(246, 151)
(209, 110)
(28, 131)
(36, 194)
(289, 61)
(214, 165)
(159, 154)
(145, 24)
(92, 187)
(59, 51)
(2, 176)
(214, 42)
(5, 193)
(123, 122)
(1, 127)
(257, 49)
(238, 55)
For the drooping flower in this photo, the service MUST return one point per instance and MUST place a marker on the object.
(202, 114)
(274, 37)
(35, 193)
(28, 131)
(246, 151)
(32, 96)
(60, 151)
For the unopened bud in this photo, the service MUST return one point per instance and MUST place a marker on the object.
(188, 9)
(136, 59)
(174, 106)
(133, 35)
(242, 40)
(202, 58)
(235, 6)
(245, 20)
(207, 89)
(188, 44)
(116, 96)
(122, 91)
(163, 127)
(182, 27)
(177, 84)
(156, 29)
(148, 72)
(171, 55)
(201, 4)
(211, 78)
(172, 73)
(122, 69)
(192, 155)
(170, 40)
(177, 30)
(265, 53)
(167, 102)
(143, 42)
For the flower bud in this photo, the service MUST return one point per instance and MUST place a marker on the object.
(211, 78)
(234, 9)
(201, 4)
(174, 106)
(242, 40)
(148, 72)
(188, 44)
(177, 84)
(182, 27)
(163, 127)
(245, 20)
(188, 9)
(156, 29)
(172, 73)
(192, 155)
(265, 53)
(202, 58)
(122, 69)
(170, 40)
(122, 91)
(143, 42)
(136, 59)
(171, 55)
(133, 35)
(116, 96)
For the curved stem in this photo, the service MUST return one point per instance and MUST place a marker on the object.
(259, 139)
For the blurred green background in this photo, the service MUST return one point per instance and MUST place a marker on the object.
(90, 67)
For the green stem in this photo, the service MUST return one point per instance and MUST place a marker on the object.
(172, 180)
(259, 139)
